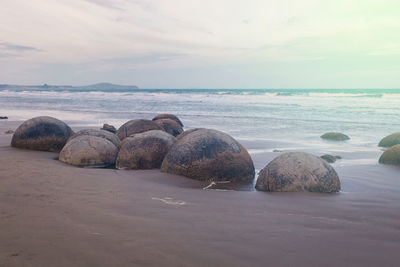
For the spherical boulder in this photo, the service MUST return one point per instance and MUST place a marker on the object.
(391, 156)
(42, 133)
(209, 155)
(298, 171)
(144, 150)
(136, 126)
(89, 151)
(99, 133)
(168, 116)
(333, 136)
(390, 140)
(170, 126)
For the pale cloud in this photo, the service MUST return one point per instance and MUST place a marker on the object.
(122, 34)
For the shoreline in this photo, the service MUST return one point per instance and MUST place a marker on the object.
(53, 214)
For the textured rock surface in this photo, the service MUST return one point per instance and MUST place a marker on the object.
(188, 132)
(335, 136)
(298, 171)
(170, 126)
(108, 127)
(390, 140)
(42, 133)
(330, 158)
(144, 150)
(391, 156)
(137, 126)
(99, 133)
(168, 116)
(209, 155)
(89, 151)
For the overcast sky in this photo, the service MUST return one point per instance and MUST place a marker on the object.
(202, 43)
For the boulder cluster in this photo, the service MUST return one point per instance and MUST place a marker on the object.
(161, 143)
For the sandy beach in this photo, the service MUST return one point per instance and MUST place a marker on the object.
(53, 214)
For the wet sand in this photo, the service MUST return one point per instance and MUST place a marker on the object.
(53, 214)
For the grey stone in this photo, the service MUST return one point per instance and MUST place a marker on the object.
(298, 171)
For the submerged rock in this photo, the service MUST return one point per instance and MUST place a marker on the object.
(144, 150)
(89, 151)
(99, 133)
(330, 158)
(209, 155)
(42, 133)
(298, 171)
(333, 136)
(108, 127)
(390, 140)
(391, 156)
(170, 126)
(168, 116)
(137, 126)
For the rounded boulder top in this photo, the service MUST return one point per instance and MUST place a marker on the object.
(296, 172)
(99, 133)
(42, 133)
(209, 155)
(170, 126)
(144, 150)
(390, 140)
(168, 116)
(334, 136)
(89, 151)
(391, 156)
(136, 126)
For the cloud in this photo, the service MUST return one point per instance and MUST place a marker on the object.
(4, 46)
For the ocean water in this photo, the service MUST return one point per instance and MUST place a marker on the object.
(291, 119)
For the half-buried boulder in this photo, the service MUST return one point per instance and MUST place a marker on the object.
(298, 171)
(391, 156)
(168, 116)
(390, 140)
(137, 126)
(99, 133)
(333, 136)
(209, 155)
(170, 126)
(89, 151)
(42, 133)
(144, 150)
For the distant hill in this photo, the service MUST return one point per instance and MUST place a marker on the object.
(97, 86)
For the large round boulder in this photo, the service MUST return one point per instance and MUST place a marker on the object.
(99, 133)
(209, 155)
(391, 156)
(42, 133)
(170, 126)
(333, 136)
(144, 150)
(298, 171)
(168, 116)
(136, 126)
(89, 151)
(390, 140)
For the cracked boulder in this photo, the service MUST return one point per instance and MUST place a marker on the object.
(298, 171)
(89, 151)
(168, 116)
(209, 155)
(144, 150)
(170, 126)
(42, 133)
(136, 126)
(99, 133)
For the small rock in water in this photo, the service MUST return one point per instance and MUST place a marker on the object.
(108, 127)
(330, 158)
(333, 136)
(3, 118)
(391, 156)
(9, 132)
